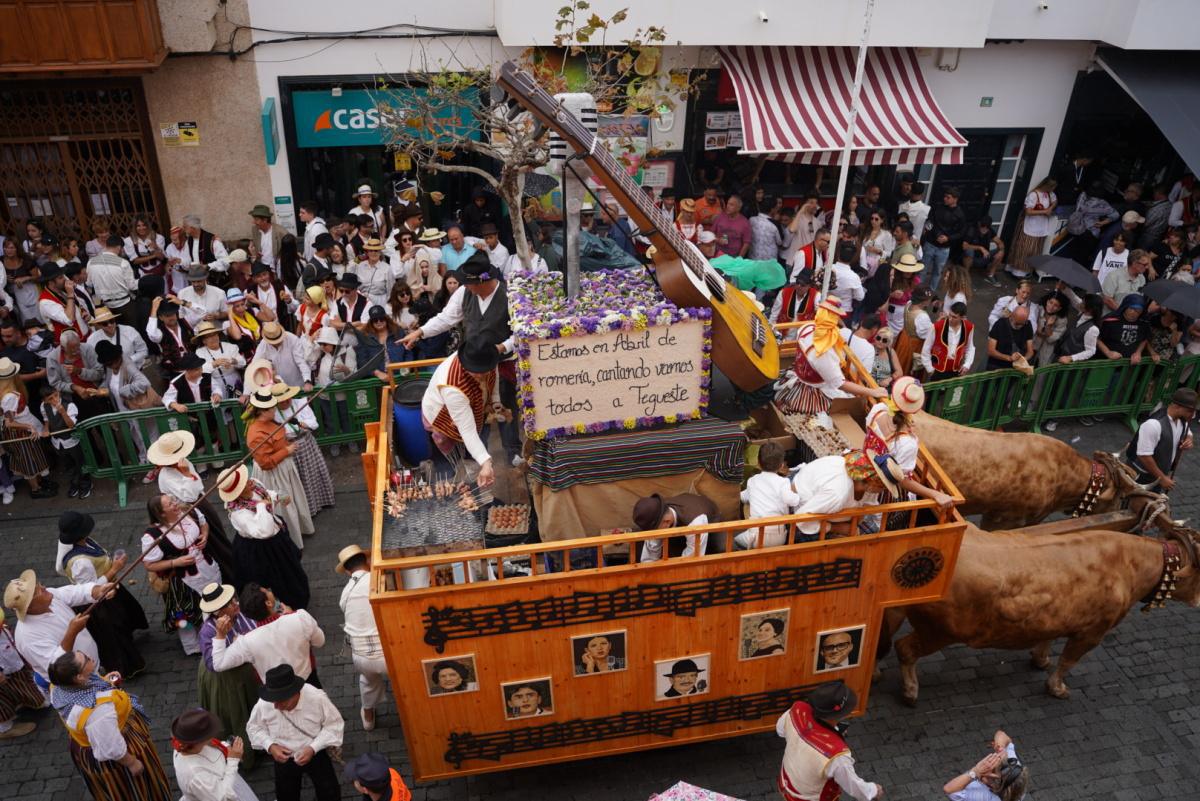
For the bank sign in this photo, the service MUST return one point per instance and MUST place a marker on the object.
(353, 118)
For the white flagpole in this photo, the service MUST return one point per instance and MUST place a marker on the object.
(844, 175)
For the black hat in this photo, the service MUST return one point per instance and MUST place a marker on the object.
(370, 770)
(479, 355)
(648, 512)
(259, 267)
(190, 361)
(477, 268)
(72, 269)
(50, 270)
(323, 240)
(74, 526)
(907, 178)
(349, 281)
(1185, 397)
(195, 726)
(151, 287)
(376, 312)
(114, 241)
(833, 699)
(167, 308)
(280, 684)
(684, 666)
(666, 191)
(107, 353)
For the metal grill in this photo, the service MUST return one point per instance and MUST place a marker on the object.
(72, 153)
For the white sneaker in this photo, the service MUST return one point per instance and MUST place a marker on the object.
(7, 497)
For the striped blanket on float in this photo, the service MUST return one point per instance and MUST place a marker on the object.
(715, 445)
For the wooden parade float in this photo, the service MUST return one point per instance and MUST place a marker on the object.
(488, 663)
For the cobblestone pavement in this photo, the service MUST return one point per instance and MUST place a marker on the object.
(1130, 731)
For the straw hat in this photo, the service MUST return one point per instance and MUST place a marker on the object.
(263, 399)
(687, 204)
(9, 368)
(253, 377)
(908, 264)
(373, 244)
(272, 332)
(364, 189)
(19, 593)
(281, 391)
(889, 472)
(431, 234)
(834, 304)
(232, 482)
(908, 394)
(204, 329)
(171, 448)
(103, 315)
(214, 596)
(345, 555)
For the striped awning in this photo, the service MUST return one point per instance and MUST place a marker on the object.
(795, 106)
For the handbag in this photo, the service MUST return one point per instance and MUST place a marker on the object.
(159, 582)
(334, 751)
(147, 400)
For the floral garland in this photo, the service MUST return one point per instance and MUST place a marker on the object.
(608, 300)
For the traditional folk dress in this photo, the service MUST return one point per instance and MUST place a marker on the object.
(112, 622)
(277, 471)
(186, 489)
(212, 775)
(917, 326)
(817, 765)
(263, 551)
(795, 303)
(21, 436)
(310, 462)
(181, 602)
(228, 694)
(454, 408)
(104, 724)
(817, 372)
(19, 689)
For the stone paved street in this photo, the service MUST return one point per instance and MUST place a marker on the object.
(1130, 731)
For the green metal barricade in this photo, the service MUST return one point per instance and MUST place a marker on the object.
(112, 450)
(982, 400)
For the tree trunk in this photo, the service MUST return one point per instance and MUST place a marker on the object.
(511, 188)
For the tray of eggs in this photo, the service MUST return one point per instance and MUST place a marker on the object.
(509, 519)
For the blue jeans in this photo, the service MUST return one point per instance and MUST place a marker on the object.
(935, 259)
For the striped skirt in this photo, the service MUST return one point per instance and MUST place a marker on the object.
(19, 691)
(802, 398)
(110, 781)
(26, 455)
(285, 480)
(1023, 247)
(314, 473)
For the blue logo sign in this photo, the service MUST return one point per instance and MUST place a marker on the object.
(354, 118)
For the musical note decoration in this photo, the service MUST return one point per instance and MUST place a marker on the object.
(663, 722)
(682, 598)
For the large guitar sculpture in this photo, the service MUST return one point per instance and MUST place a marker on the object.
(744, 346)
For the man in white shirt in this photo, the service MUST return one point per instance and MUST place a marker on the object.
(286, 352)
(832, 484)
(106, 327)
(949, 349)
(296, 723)
(266, 234)
(845, 285)
(204, 247)
(199, 301)
(497, 254)
(1155, 450)
(769, 493)
(313, 227)
(47, 625)
(288, 639)
(113, 280)
(485, 293)
(361, 633)
(463, 389)
(817, 762)
(861, 340)
(677, 511)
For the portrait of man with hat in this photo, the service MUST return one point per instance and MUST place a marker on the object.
(817, 762)
(105, 325)
(361, 632)
(206, 769)
(46, 621)
(298, 726)
(287, 355)
(1160, 441)
(267, 234)
(199, 300)
(678, 511)
(375, 779)
(682, 677)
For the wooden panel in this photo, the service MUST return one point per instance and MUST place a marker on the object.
(55, 36)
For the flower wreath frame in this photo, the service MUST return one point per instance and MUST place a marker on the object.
(609, 300)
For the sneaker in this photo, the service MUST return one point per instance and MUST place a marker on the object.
(335, 450)
(1087, 421)
(73, 492)
(6, 497)
(85, 491)
(368, 719)
(992, 280)
(1050, 425)
(18, 730)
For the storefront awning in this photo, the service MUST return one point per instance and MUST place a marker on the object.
(1167, 87)
(795, 105)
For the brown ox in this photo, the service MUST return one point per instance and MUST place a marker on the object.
(1015, 480)
(1017, 590)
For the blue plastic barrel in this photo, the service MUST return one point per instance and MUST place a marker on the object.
(412, 440)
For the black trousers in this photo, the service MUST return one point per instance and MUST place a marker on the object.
(320, 772)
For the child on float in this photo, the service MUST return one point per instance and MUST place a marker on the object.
(770, 494)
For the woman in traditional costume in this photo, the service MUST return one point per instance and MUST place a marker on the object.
(310, 462)
(274, 465)
(228, 694)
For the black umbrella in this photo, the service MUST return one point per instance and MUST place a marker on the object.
(1067, 270)
(1160, 290)
(1185, 300)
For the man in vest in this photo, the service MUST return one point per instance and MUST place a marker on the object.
(172, 335)
(269, 297)
(811, 257)
(817, 765)
(113, 279)
(481, 305)
(949, 351)
(796, 302)
(106, 327)
(462, 392)
(352, 307)
(192, 385)
(377, 781)
(1160, 441)
(204, 247)
(318, 263)
(674, 512)
(56, 303)
(266, 234)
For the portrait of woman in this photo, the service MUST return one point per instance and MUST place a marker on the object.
(675, 678)
(840, 649)
(453, 674)
(764, 634)
(598, 653)
(527, 699)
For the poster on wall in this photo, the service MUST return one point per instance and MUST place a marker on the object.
(627, 139)
(716, 120)
(658, 174)
(735, 120)
(735, 138)
(716, 141)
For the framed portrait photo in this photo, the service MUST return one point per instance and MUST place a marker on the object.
(676, 678)
(450, 675)
(597, 654)
(838, 649)
(763, 634)
(531, 698)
